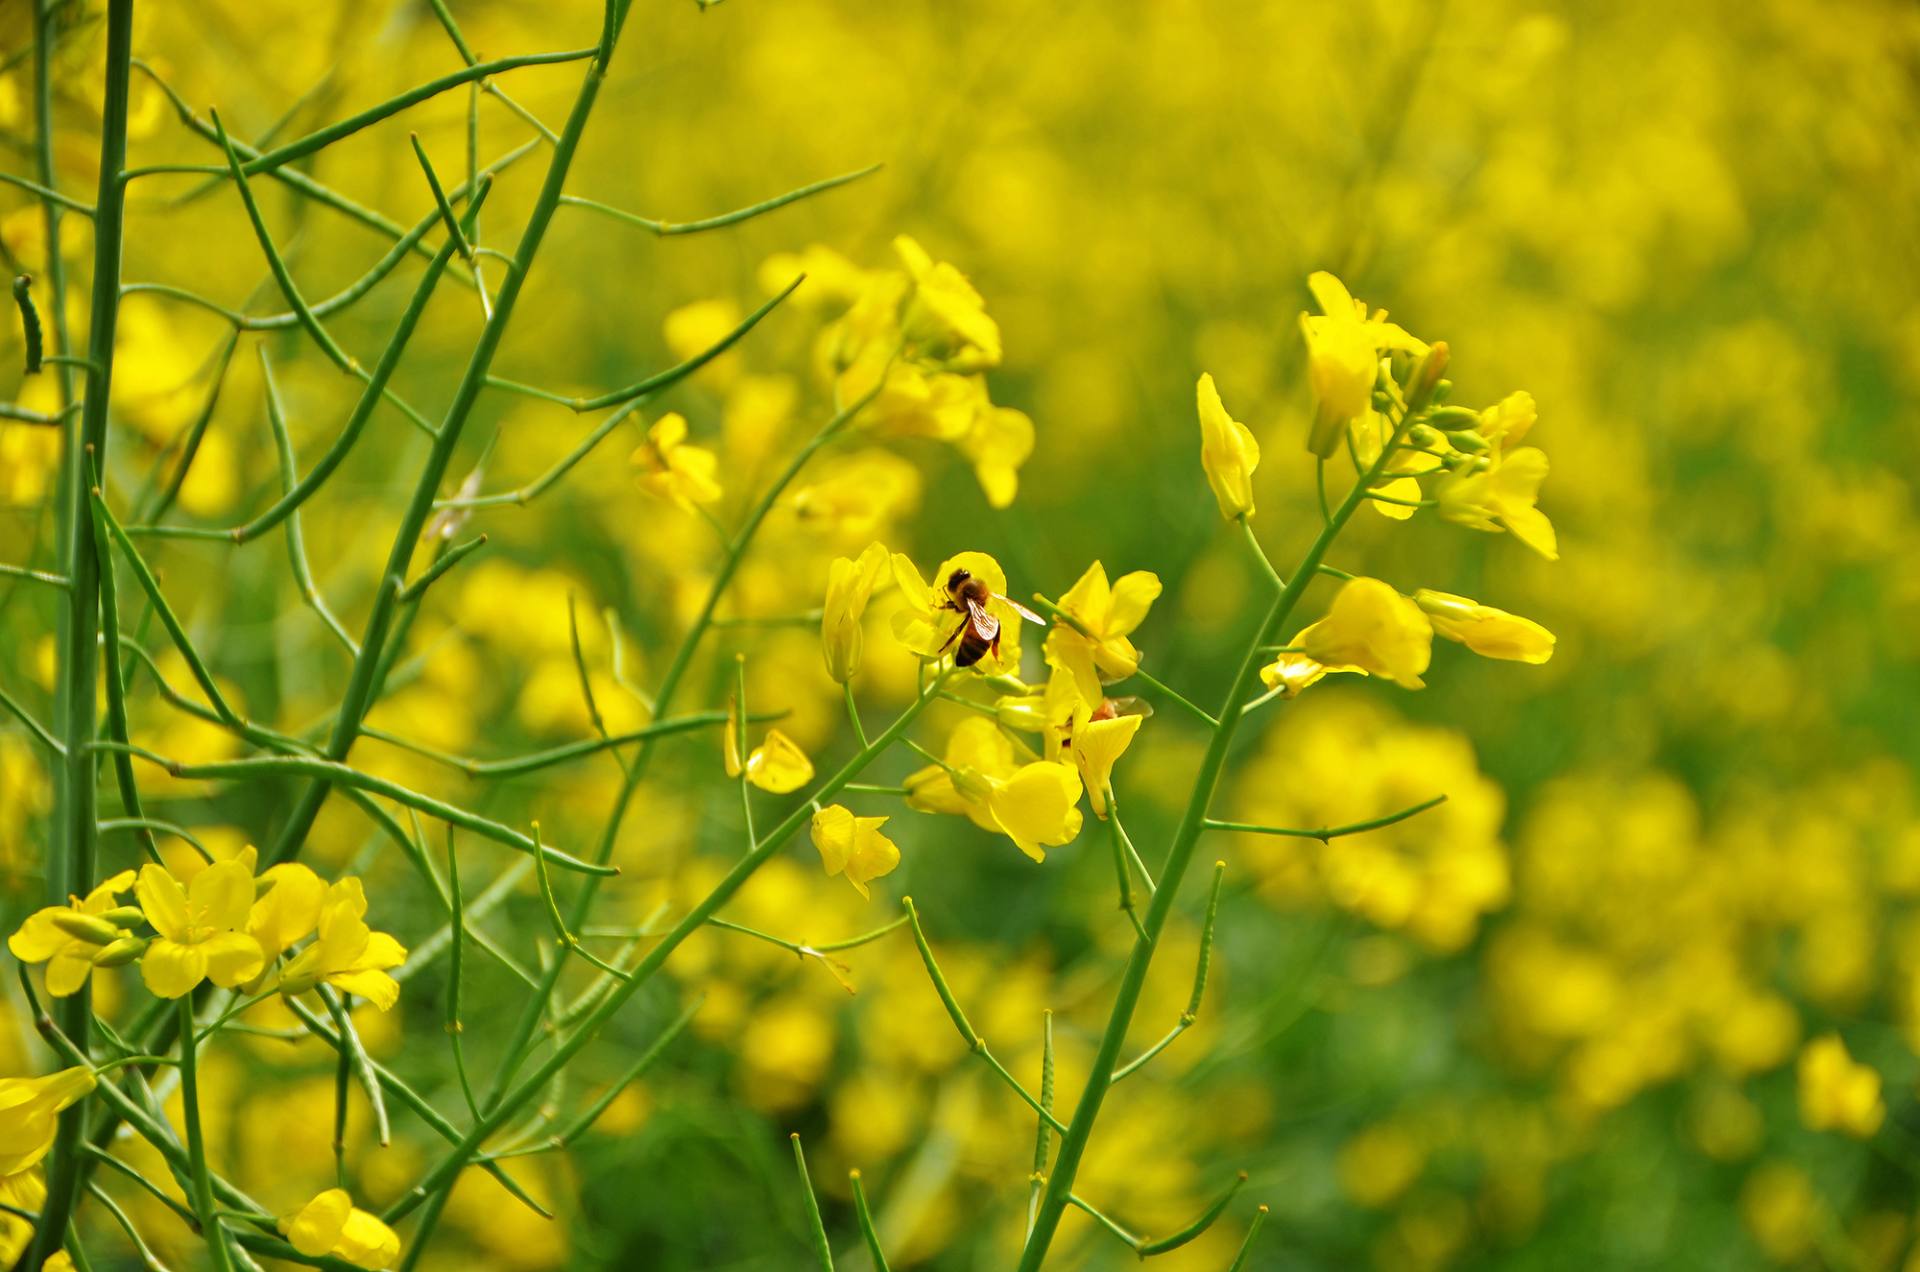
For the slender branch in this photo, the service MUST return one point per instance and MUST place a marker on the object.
(71, 859)
(666, 228)
(1073, 1144)
(1324, 833)
(975, 1043)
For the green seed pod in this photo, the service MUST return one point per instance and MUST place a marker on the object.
(121, 952)
(125, 916)
(86, 927)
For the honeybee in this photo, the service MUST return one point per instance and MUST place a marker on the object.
(979, 631)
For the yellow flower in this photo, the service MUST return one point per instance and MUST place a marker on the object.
(1095, 746)
(1290, 673)
(29, 1114)
(1032, 804)
(67, 937)
(331, 1224)
(201, 927)
(1228, 453)
(928, 624)
(997, 444)
(1370, 434)
(777, 764)
(850, 585)
(858, 495)
(1108, 613)
(1502, 496)
(853, 846)
(1489, 632)
(1344, 346)
(347, 954)
(1836, 1092)
(667, 468)
(1371, 629)
(289, 910)
(1508, 421)
(945, 320)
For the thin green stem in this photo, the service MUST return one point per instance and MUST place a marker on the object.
(853, 713)
(1246, 1246)
(822, 1249)
(865, 1219)
(442, 1174)
(975, 1043)
(668, 228)
(202, 1191)
(71, 860)
(1042, 1141)
(1324, 833)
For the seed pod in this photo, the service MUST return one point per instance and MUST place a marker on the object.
(86, 927)
(121, 952)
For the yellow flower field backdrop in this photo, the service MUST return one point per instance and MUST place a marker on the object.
(1644, 991)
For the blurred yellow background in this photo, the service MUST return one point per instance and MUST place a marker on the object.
(1569, 1020)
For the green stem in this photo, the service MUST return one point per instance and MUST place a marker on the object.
(358, 699)
(1324, 833)
(71, 867)
(443, 1173)
(822, 1250)
(203, 1207)
(1073, 1144)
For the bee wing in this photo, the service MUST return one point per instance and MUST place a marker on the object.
(984, 624)
(1021, 610)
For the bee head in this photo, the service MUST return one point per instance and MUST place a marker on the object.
(957, 578)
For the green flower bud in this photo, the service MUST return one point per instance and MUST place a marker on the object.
(125, 916)
(121, 952)
(86, 927)
(1468, 440)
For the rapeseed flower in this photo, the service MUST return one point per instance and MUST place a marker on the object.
(945, 321)
(777, 765)
(1228, 453)
(1489, 632)
(347, 954)
(331, 1224)
(67, 938)
(1344, 346)
(668, 468)
(202, 927)
(1502, 496)
(851, 583)
(1031, 803)
(1373, 630)
(1093, 646)
(853, 846)
(1837, 1093)
(30, 1110)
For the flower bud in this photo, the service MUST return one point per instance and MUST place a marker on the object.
(1425, 435)
(299, 983)
(121, 952)
(86, 927)
(1468, 440)
(125, 916)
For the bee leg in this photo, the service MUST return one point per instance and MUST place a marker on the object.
(949, 645)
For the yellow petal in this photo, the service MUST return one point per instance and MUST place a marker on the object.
(1096, 746)
(375, 986)
(290, 910)
(1133, 595)
(38, 938)
(66, 973)
(832, 830)
(222, 895)
(232, 958)
(779, 765)
(163, 901)
(171, 969)
(1228, 453)
(367, 1242)
(1035, 807)
(315, 1228)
